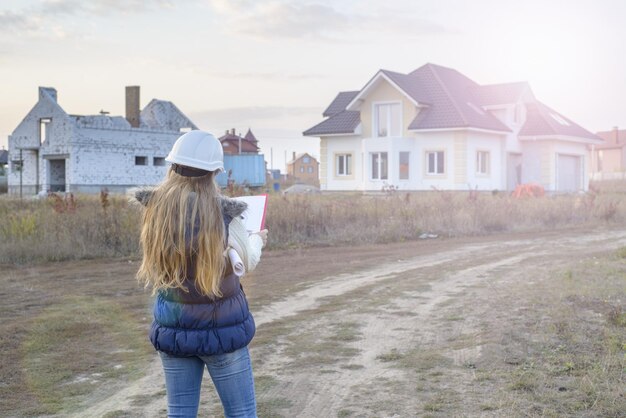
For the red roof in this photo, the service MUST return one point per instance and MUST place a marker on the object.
(250, 137)
(230, 143)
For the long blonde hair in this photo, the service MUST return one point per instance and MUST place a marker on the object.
(167, 231)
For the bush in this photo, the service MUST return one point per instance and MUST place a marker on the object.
(107, 226)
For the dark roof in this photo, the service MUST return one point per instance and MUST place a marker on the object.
(447, 96)
(344, 122)
(4, 157)
(452, 103)
(497, 94)
(448, 99)
(541, 121)
(250, 136)
(413, 86)
(339, 103)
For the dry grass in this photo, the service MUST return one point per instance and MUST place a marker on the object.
(566, 356)
(105, 226)
(71, 333)
(52, 230)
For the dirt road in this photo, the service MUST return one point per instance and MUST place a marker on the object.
(391, 331)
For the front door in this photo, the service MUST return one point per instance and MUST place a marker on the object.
(56, 175)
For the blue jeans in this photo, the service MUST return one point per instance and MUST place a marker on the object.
(231, 374)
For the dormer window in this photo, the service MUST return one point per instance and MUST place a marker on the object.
(387, 120)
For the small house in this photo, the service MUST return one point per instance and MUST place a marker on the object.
(304, 168)
(609, 157)
(236, 144)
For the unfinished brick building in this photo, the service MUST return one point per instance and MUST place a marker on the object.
(51, 150)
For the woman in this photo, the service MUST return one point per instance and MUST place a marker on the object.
(201, 315)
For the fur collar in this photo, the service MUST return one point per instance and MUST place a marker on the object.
(231, 207)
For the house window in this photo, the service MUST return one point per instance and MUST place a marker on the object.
(435, 162)
(309, 170)
(158, 161)
(379, 165)
(44, 124)
(387, 119)
(306, 160)
(141, 160)
(16, 166)
(482, 162)
(404, 166)
(343, 163)
(301, 169)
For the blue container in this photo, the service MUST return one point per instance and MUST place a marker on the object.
(276, 187)
(246, 169)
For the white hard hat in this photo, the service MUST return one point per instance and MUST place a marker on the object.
(197, 149)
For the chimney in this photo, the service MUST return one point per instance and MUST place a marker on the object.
(294, 156)
(226, 132)
(232, 131)
(132, 105)
(616, 130)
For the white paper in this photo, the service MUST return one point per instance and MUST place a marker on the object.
(235, 261)
(254, 216)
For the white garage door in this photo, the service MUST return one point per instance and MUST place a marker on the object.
(569, 174)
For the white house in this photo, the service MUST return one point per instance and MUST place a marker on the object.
(52, 150)
(434, 127)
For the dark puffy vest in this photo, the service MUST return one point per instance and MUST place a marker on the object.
(191, 324)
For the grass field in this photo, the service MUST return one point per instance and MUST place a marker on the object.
(509, 325)
(87, 227)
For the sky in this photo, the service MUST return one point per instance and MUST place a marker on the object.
(274, 66)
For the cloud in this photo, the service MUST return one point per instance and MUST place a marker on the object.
(99, 7)
(46, 17)
(291, 19)
(12, 21)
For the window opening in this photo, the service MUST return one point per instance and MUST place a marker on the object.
(435, 162)
(379, 166)
(388, 119)
(482, 162)
(404, 166)
(344, 164)
(44, 127)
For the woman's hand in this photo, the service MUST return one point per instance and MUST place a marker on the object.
(263, 235)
